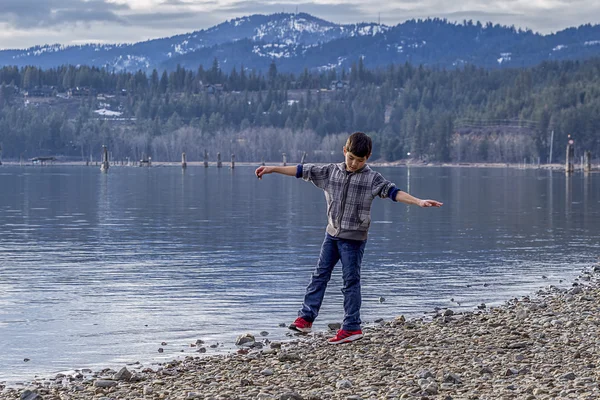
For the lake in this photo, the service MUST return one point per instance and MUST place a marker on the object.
(97, 270)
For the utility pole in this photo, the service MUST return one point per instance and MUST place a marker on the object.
(551, 144)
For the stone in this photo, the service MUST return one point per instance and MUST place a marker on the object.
(334, 326)
(105, 383)
(343, 384)
(246, 339)
(30, 395)
(290, 396)
(123, 375)
(287, 356)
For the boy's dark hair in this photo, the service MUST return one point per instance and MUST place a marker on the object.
(359, 144)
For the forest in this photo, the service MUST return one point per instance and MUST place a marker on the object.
(429, 115)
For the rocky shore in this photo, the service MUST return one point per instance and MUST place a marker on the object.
(545, 346)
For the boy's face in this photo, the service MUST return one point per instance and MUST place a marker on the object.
(354, 163)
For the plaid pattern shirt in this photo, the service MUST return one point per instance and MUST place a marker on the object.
(349, 196)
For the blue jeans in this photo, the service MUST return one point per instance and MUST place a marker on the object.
(350, 252)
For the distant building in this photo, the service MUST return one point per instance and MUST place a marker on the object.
(212, 89)
(43, 91)
(81, 92)
(339, 85)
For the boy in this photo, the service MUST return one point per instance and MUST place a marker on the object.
(350, 188)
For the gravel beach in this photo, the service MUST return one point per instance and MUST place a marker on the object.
(545, 346)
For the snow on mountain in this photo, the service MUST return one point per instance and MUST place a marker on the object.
(299, 41)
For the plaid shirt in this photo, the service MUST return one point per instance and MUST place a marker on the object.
(349, 196)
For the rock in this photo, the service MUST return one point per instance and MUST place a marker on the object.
(334, 326)
(575, 290)
(266, 372)
(293, 357)
(431, 388)
(246, 382)
(264, 333)
(452, 378)
(425, 374)
(105, 383)
(246, 339)
(517, 345)
(343, 384)
(122, 375)
(30, 395)
(485, 370)
(568, 377)
(290, 396)
(448, 313)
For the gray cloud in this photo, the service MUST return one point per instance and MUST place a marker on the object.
(23, 14)
(329, 12)
(26, 23)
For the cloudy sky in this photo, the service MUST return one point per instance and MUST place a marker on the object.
(25, 23)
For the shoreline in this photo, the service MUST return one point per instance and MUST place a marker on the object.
(227, 164)
(541, 346)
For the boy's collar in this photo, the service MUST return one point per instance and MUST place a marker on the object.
(342, 166)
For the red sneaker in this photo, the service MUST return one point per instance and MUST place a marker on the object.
(344, 336)
(301, 325)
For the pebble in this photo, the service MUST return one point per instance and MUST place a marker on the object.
(541, 347)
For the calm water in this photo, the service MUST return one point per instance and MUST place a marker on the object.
(98, 269)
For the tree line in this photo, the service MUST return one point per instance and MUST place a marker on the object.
(467, 114)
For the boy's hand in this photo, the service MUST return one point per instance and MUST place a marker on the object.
(430, 203)
(262, 170)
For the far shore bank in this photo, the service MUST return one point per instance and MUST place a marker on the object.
(227, 164)
(542, 346)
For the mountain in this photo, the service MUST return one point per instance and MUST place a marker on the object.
(299, 41)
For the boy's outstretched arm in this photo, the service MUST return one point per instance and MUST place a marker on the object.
(408, 199)
(266, 169)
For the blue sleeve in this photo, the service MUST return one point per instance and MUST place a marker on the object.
(393, 193)
(299, 171)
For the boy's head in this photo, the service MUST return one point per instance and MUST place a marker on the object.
(357, 151)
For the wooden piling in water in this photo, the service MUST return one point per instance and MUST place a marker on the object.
(284, 159)
(104, 165)
(587, 161)
(0, 155)
(570, 157)
(232, 161)
(183, 161)
(219, 164)
(205, 159)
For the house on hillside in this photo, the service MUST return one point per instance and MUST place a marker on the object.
(212, 89)
(81, 91)
(41, 91)
(339, 85)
